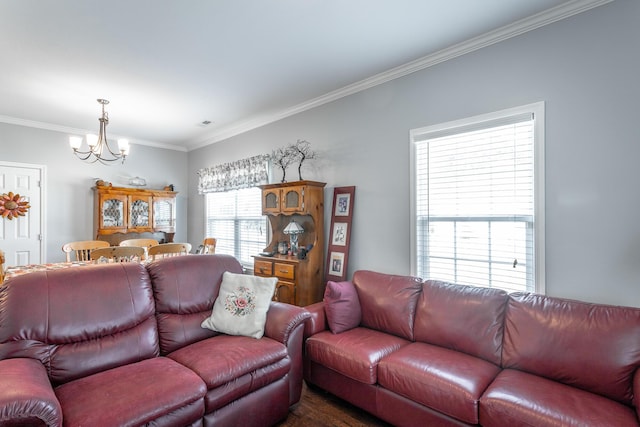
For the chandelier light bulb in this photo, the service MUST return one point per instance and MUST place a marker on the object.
(99, 149)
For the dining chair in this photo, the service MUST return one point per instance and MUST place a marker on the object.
(168, 249)
(143, 243)
(209, 244)
(118, 254)
(82, 248)
(1, 266)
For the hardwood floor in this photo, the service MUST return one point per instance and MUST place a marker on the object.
(320, 409)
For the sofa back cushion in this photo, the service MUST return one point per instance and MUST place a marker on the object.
(589, 346)
(185, 289)
(79, 321)
(388, 302)
(469, 319)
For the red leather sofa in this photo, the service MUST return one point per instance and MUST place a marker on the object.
(122, 345)
(428, 353)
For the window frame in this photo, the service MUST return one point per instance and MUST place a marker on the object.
(538, 111)
(248, 265)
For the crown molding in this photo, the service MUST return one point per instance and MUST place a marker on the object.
(76, 131)
(514, 29)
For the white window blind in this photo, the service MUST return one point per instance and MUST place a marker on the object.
(475, 202)
(235, 219)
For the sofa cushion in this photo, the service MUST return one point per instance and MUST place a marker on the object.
(137, 394)
(593, 347)
(464, 318)
(234, 366)
(388, 302)
(79, 321)
(242, 305)
(520, 399)
(354, 353)
(445, 380)
(341, 306)
(185, 289)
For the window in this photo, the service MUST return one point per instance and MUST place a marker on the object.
(477, 200)
(235, 219)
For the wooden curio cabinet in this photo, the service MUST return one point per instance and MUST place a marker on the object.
(133, 211)
(300, 281)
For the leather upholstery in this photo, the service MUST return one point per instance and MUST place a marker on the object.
(32, 399)
(388, 302)
(589, 346)
(448, 381)
(162, 387)
(185, 289)
(354, 353)
(472, 356)
(519, 398)
(113, 311)
(82, 346)
(465, 318)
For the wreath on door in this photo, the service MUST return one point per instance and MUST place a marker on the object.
(13, 205)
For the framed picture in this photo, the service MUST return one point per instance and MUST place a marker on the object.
(340, 237)
(339, 234)
(336, 264)
(342, 204)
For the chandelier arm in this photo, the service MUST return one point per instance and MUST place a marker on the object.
(95, 154)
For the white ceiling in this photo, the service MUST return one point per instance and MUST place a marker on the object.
(167, 66)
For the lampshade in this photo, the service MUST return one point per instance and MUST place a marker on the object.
(293, 228)
(98, 146)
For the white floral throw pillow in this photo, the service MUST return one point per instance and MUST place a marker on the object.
(242, 305)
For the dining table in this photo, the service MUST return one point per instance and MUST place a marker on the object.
(19, 270)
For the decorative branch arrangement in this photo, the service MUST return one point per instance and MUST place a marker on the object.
(304, 152)
(283, 157)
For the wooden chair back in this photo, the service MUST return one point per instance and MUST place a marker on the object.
(168, 249)
(82, 249)
(143, 243)
(118, 254)
(209, 245)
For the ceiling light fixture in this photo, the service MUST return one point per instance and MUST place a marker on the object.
(99, 150)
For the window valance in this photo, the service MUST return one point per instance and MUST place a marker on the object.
(243, 173)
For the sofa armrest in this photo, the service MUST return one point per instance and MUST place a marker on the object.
(282, 319)
(26, 395)
(317, 321)
(285, 323)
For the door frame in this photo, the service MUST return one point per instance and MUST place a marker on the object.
(43, 200)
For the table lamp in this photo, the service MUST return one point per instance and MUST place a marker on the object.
(293, 229)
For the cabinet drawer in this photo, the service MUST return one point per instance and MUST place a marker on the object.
(263, 268)
(284, 271)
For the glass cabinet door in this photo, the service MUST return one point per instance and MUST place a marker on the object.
(112, 213)
(164, 214)
(140, 213)
(271, 201)
(292, 199)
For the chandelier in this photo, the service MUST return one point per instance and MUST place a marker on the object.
(98, 146)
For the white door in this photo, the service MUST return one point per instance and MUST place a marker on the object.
(21, 237)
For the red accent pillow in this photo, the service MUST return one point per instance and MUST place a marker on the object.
(342, 306)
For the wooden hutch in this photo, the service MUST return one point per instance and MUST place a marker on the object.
(129, 213)
(300, 281)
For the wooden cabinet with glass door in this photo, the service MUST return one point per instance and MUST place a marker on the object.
(300, 279)
(133, 210)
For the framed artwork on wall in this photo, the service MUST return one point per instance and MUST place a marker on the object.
(339, 239)
(336, 264)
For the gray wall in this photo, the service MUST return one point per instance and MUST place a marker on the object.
(69, 181)
(584, 68)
